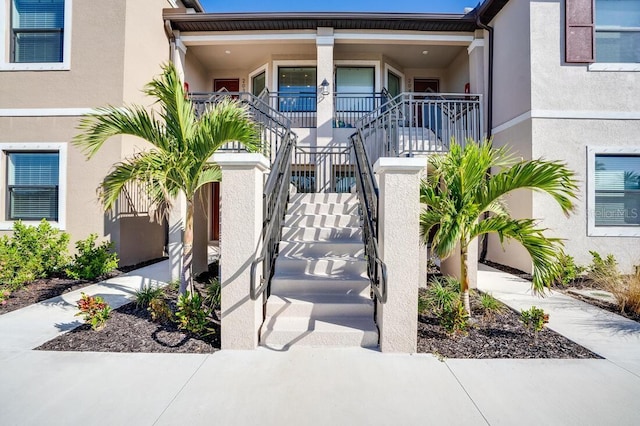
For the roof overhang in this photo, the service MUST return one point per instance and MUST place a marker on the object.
(292, 21)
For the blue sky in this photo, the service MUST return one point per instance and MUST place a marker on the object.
(422, 6)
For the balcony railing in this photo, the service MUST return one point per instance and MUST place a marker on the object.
(299, 108)
(421, 123)
(348, 108)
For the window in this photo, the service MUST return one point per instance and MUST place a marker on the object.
(617, 35)
(614, 193)
(32, 185)
(258, 83)
(303, 177)
(37, 31)
(297, 87)
(343, 178)
(394, 84)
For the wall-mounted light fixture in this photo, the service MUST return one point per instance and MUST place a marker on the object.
(324, 87)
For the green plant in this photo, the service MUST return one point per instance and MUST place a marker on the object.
(191, 315)
(160, 310)
(213, 293)
(454, 318)
(462, 201)
(4, 295)
(182, 143)
(569, 271)
(146, 294)
(534, 319)
(602, 270)
(94, 309)
(490, 305)
(32, 252)
(442, 293)
(92, 261)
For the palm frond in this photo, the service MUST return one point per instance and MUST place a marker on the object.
(106, 122)
(544, 251)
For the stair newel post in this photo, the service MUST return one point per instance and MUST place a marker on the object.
(241, 220)
(398, 239)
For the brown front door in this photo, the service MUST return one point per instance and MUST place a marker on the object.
(229, 84)
(423, 85)
(215, 211)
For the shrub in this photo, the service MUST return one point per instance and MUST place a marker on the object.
(32, 252)
(454, 318)
(490, 305)
(602, 270)
(534, 319)
(92, 261)
(160, 310)
(442, 293)
(191, 315)
(95, 310)
(146, 294)
(625, 289)
(568, 271)
(213, 293)
(4, 295)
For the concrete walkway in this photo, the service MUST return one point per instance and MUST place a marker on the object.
(312, 386)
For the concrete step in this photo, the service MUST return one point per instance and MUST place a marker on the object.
(336, 332)
(318, 249)
(322, 220)
(342, 234)
(304, 284)
(319, 306)
(324, 198)
(321, 267)
(302, 208)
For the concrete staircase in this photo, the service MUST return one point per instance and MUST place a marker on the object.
(320, 292)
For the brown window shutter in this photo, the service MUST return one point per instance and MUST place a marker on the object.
(579, 31)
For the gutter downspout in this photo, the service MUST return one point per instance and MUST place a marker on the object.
(489, 29)
(172, 38)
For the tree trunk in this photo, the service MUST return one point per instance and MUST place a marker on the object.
(186, 280)
(464, 279)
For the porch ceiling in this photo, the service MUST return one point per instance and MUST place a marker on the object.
(250, 56)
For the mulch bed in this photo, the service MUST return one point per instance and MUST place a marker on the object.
(580, 283)
(130, 329)
(46, 288)
(503, 336)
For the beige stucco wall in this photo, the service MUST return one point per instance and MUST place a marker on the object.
(512, 65)
(457, 74)
(518, 139)
(116, 48)
(95, 77)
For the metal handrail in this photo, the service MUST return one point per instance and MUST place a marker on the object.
(275, 195)
(367, 191)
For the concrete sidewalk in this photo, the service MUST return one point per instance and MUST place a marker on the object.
(319, 386)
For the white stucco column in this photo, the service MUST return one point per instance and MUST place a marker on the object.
(478, 71)
(240, 228)
(177, 217)
(398, 237)
(324, 112)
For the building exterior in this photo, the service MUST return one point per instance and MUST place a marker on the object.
(521, 71)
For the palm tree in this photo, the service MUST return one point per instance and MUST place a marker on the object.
(463, 202)
(178, 161)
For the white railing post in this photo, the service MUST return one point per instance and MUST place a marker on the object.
(399, 242)
(240, 235)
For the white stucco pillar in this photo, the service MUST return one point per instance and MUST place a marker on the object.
(398, 237)
(478, 70)
(177, 217)
(240, 228)
(324, 44)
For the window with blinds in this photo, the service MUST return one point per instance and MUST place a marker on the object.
(33, 185)
(37, 31)
(617, 190)
(618, 31)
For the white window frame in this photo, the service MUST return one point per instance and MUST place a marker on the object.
(264, 68)
(61, 148)
(387, 69)
(5, 39)
(605, 231)
(611, 66)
